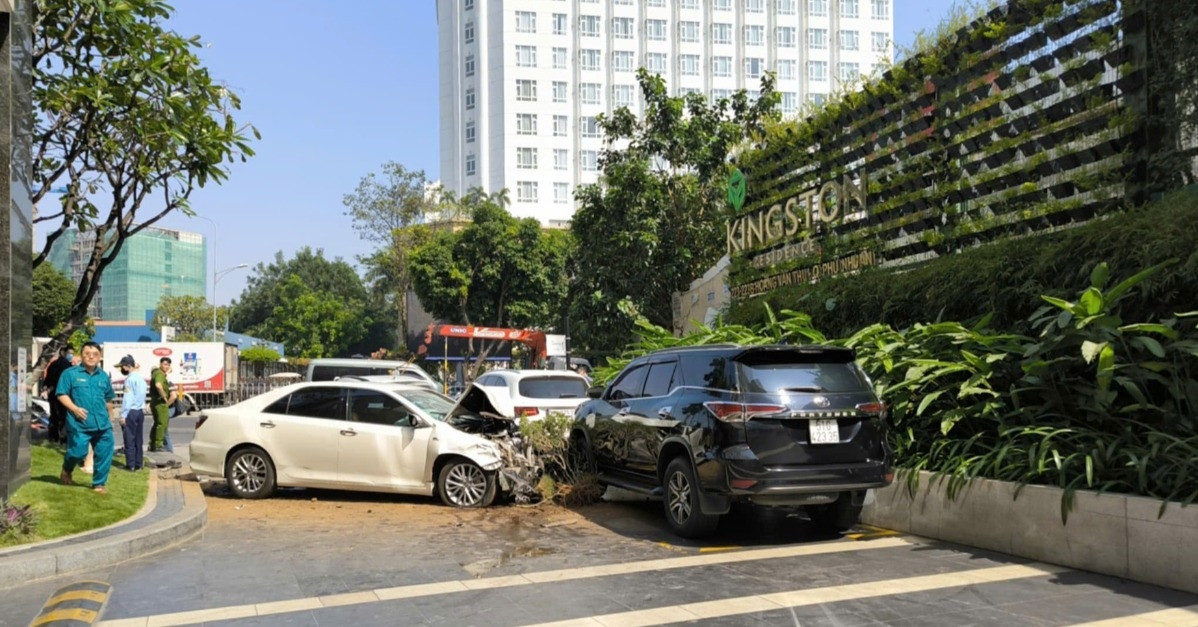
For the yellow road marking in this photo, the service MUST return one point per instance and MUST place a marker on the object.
(718, 549)
(1176, 617)
(75, 614)
(721, 608)
(75, 595)
(446, 587)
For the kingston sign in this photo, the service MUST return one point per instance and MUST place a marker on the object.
(782, 221)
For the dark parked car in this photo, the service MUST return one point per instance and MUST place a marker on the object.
(703, 427)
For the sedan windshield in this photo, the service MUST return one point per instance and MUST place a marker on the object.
(553, 387)
(431, 403)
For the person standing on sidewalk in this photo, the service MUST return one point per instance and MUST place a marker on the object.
(85, 391)
(161, 399)
(58, 413)
(133, 405)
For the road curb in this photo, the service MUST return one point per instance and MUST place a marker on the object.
(113, 547)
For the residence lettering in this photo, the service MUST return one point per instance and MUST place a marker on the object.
(851, 263)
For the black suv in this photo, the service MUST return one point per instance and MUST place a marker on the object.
(777, 425)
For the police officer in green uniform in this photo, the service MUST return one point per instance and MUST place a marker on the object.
(85, 391)
(161, 398)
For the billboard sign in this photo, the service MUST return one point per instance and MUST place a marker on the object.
(195, 366)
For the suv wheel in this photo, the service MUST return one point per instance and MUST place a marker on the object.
(835, 517)
(682, 502)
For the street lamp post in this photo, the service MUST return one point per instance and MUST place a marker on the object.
(216, 276)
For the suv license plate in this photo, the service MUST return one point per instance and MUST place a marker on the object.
(824, 431)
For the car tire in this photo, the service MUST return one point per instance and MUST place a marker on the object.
(250, 473)
(835, 517)
(462, 483)
(681, 502)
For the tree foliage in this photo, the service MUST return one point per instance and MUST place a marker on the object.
(53, 293)
(191, 316)
(127, 120)
(314, 306)
(497, 271)
(655, 220)
(259, 355)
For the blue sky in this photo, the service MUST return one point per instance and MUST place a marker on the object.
(336, 89)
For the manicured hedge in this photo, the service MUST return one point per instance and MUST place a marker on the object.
(1006, 278)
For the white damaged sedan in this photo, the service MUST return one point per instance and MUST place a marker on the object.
(354, 435)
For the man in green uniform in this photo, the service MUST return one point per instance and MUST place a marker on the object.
(84, 391)
(161, 398)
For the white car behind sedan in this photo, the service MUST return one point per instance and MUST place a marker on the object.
(533, 394)
(349, 435)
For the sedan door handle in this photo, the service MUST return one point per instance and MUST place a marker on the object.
(623, 411)
(664, 412)
(348, 432)
(268, 424)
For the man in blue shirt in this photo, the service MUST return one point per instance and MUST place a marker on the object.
(85, 391)
(133, 415)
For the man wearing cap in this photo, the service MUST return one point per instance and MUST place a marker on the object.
(85, 391)
(133, 414)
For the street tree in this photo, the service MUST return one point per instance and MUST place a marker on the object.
(191, 316)
(53, 293)
(127, 125)
(327, 294)
(384, 209)
(655, 220)
(498, 271)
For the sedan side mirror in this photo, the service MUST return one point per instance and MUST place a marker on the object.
(595, 391)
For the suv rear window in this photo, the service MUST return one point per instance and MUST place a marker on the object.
(786, 371)
(553, 387)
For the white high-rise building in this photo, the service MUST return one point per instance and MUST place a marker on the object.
(522, 80)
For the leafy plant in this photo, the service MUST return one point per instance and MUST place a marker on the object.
(17, 522)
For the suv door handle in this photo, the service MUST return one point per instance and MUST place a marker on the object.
(348, 432)
(268, 424)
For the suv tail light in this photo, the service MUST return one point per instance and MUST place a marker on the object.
(872, 409)
(740, 412)
(522, 412)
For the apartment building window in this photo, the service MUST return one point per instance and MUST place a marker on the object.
(817, 8)
(559, 23)
(786, 37)
(754, 6)
(559, 91)
(526, 56)
(588, 25)
(786, 69)
(690, 4)
(880, 9)
(526, 191)
(848, 9)
(723, 5)
(786, 7)
(470, 132)
(753, 95)
(559, 58)
(688, 31)
(623, 2)
(588, 160)
(848, 71)
(526, 124)
(588, 127)
(657, 3)
(526, 158)
(561, 193)
(817, 38)
(754, 35)
(754, 67)
(790, 102)
(561, 126)
(688, 64)
(721, 33)
(469, 65)
(621, 95)
(526, 90)
(721, 66)
(720, 94)
(561, 158)
(471, 165)
(656, 62)
(469, 98)
(589, 59)
(817, 70)
(684, 91)
(879, 41)
(526, 22)
(623, 61)
(468, 4)
(850, 40)
(621, 27)
(817, 99)
(655, 30)
(468, 33)
(588, 93)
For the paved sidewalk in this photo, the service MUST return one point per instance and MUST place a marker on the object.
(175, 511)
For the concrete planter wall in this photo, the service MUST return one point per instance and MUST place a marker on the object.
(1111, 534)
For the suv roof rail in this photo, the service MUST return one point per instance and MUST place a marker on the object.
(699, 347)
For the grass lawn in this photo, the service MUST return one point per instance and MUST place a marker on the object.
(63, 510)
